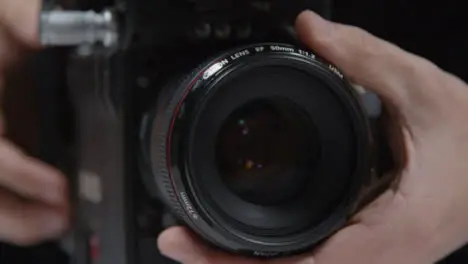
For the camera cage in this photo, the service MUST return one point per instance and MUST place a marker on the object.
(93, 88)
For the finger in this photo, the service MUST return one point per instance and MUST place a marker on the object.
(30, 178)
(400, 78)
(25, 223)
(21, 17)
(179, 244)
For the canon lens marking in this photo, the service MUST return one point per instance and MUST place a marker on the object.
(214, 69)
(240, 54)
(279, 48)
(265, 254)
(188, 206)
(307, 54)
(336, 71)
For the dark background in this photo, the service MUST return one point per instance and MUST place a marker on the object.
(435, 30)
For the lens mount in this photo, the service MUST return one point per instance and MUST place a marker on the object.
(269, 113)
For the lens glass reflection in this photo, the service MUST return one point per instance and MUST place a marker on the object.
(265, 151)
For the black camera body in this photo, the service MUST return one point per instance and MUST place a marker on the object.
(146, 147)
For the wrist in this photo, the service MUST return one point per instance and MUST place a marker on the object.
(432, 234)
(447, 237)
(413, 235)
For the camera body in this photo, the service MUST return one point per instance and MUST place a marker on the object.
(110, 92)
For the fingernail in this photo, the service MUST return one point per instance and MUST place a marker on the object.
(53, 223)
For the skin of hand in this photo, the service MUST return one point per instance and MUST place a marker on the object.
(424, 217)
(33, 196)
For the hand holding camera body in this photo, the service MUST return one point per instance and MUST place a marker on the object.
(209, 114)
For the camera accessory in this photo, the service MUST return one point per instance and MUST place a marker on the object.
(262, 150)
(65, 28)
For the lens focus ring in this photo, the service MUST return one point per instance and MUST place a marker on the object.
(185, 128)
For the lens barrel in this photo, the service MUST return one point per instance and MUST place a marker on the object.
(262, 151)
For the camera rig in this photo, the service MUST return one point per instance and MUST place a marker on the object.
(99, 53)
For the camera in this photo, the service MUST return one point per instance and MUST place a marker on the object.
(208, 114)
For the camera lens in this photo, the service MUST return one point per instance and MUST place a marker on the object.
(264, 151)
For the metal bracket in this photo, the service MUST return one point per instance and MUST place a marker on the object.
(78, 28)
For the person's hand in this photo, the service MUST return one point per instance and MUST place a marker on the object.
(425, 217)
(32, 195)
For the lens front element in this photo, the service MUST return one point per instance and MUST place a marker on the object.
(264, 151)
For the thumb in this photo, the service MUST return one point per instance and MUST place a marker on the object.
(392, 73)
(179, 244)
